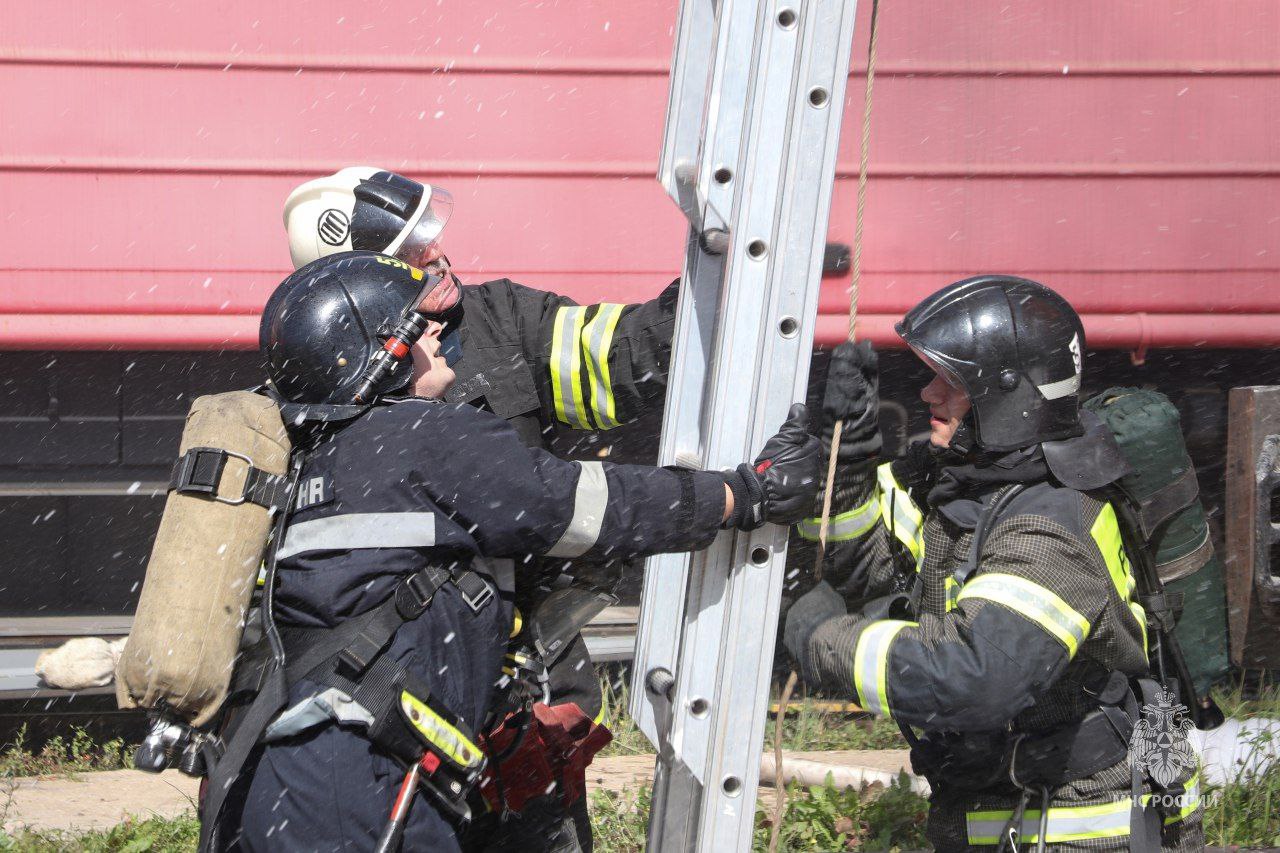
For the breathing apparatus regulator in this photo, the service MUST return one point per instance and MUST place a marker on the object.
(392, 356)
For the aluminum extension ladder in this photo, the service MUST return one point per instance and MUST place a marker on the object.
(749, 155)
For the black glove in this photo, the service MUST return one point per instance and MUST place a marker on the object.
(783, 482)
(853, 396)
(803, 618)
(894, 606)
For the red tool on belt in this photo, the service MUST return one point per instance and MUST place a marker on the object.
(389, 841)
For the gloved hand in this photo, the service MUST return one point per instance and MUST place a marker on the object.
(783, 482)
(895, 606)
(803, 618)
(853, 396)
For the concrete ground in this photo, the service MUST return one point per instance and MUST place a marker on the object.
(100, 800)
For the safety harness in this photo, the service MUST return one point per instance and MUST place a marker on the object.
(1038, 764)
(402, 716)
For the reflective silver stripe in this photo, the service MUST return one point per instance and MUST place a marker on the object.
(353, 531)
(1066, 823)
(589, 503)
(845, 526)
(566, 383)
(871, 663)
(1061, 388)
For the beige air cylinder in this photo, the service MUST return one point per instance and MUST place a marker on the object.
(203, 567)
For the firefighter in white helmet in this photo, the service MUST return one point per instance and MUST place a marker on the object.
(542, 362)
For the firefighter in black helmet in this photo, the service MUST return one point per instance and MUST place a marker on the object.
(540, 361)
(414, 519)
(978, 590)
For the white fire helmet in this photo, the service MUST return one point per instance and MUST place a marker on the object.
(368, 209)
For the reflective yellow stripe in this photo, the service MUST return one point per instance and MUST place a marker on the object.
(843, 527)
(1190, 800)
(566, 366)
(1106, 535)
(1140, 614)
(871, 664)
(1034, 602)
(597, 338)
(900, 513)
(1066, 823)
(517, 621)
(1074, 823)
(439, 732)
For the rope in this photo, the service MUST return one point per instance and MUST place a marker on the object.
(780, 804)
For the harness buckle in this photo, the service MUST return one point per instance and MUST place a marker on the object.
(414, 594)
(199, 470)
(475, 590)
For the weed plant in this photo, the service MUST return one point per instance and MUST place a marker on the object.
(63, 756)
(156, 835)
(824, 818)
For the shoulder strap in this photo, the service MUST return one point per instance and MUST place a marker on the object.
(986, 522)
(273, 693)
(1167, 661)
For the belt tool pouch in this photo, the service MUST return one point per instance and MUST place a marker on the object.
(973, 761)
(1076, 751)
(1068, 754)
(453, 762)
(555, 751)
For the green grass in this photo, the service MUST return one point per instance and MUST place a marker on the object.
(823, 818)
(160, 835)
(61, 756)
(1244, 814)
(1236, 701)
(1248, 813)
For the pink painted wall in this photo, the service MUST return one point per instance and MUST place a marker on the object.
(1120, 150)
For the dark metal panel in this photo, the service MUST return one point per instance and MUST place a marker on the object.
(74, 555)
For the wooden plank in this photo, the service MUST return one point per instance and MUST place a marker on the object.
(1253, 623)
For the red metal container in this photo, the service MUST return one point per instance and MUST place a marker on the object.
(1121, 151)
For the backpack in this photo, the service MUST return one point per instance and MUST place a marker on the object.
(1163, 490)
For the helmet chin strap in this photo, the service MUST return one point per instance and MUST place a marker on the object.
(964, 439)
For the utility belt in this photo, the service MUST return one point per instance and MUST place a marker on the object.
(362, 685)
(1007, 761)
(1022, 764)
(404, 718)
(997, 761)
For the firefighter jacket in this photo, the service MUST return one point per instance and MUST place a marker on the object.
(416, 482)
(538, 359)
(979, 654)
(543, 362)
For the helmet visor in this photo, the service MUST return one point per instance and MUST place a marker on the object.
(421, 245)
(937, 366)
